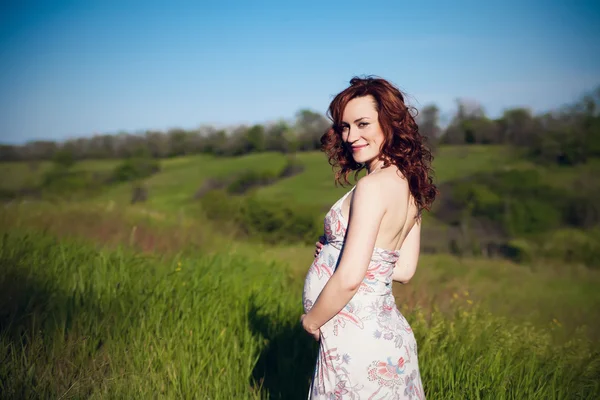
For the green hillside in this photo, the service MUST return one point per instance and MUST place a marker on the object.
(174, 189)
(107, 298)
(180, 177)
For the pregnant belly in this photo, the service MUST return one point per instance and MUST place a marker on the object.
(318, 274)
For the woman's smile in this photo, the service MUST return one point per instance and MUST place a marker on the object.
(359, 147)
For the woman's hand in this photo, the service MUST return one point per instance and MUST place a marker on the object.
(314, 332)
(319, 245)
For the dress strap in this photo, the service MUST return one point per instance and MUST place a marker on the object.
(341, 200)
(350, 191)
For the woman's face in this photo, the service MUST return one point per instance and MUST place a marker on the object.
(361, 131)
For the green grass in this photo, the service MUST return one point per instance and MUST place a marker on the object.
(538, 292)
(81, 322)
(173, 188)
(456, 162)
(109, 315)
(21, 175)
(314, 186)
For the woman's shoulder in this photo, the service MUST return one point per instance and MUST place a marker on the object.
(389, 178)
(388, 183)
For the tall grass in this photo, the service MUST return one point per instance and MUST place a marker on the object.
(77, 322)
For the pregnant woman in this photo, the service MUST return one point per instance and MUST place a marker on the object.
(367, 349)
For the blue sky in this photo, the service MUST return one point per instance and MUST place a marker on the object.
(75, 68)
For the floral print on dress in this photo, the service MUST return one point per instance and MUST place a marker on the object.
(413, 389)
(347, 315)
(387, 373)
(368, 350)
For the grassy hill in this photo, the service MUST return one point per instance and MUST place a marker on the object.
(101, 297)
(172, 192)
(185, 174)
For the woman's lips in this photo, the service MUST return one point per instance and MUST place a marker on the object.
(357, 148)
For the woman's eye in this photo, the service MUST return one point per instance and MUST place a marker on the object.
(363, 124)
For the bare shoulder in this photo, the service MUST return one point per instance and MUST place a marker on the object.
(371, 186)
(390, 180)
(381, 187)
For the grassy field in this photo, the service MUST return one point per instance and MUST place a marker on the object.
(104, 299)
(78, 322)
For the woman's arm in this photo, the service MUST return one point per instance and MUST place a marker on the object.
(366, 214)
(406, 265)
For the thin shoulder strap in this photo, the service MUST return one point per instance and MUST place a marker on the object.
(341, 200)
(348, 192)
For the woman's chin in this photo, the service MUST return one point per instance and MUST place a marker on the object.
(363, 159)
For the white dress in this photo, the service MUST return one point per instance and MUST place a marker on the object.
(368, 350)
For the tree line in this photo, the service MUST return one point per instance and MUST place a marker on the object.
(568, 135)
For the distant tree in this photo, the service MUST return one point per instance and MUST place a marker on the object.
(517, 126)
(64, 158)
(255, 139)
(310, 127)
(570, 135)
(215, 142)
(236, 143)
(429, 124)
(177, 139)
(590, 123)
(483, 129)
(79, 148)
(280, 137)
(470, 125)
(9, 153)
(38, 150)
(157, 144)
(195, 141)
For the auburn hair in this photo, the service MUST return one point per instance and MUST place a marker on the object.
(402, 146)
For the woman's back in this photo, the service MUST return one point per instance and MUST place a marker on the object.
(400, 208)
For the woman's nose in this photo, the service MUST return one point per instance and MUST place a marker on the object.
(352, 134)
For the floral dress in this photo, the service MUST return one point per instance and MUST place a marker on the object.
(368, 350)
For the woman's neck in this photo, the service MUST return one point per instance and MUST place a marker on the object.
(374, 165)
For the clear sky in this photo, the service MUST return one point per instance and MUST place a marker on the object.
(75, 68)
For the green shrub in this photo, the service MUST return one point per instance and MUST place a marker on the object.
(8, 194)
(249, 179)
(530, 215)
(520, 250)
(265, 220)
(479, 199)
(219, 206)
(65, 182)
(64, 158)
(583, 209)
(260, 218)
(572, 246)
(523, 206)
(279, 222)
(133, 169)
(519, 202)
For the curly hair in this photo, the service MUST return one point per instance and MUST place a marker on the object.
(402, 146)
